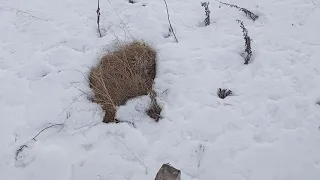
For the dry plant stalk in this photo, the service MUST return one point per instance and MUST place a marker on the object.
(22, 147)
(154, 109)
(248, 13)
(98, 18)
(207, 11)
(170, 25)
(123, 74)
(247, 52)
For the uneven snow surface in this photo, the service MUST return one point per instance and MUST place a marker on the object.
(268, 130)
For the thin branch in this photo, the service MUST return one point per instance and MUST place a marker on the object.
(82, 73)
(18, 151)
(22, 147)
(70, 104)
(310, 12)
(124, 24)
(170, 21)
(248, 13)
(82, 91)
(145, 167)
(313, 2)
(98, 18)
(24, 12)
(53, 125)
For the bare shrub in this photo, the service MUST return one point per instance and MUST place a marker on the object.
(123, 74)
(154, 109)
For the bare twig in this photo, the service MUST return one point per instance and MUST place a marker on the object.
(200, 153)
(82, 91)
(18, 151)
(145, 167)
(22, 147)
(124, 24)
(98, 18)
(70, 104)
(165, 92)
(313, 2)
(23, 12)
(170, 21)
(53, 125)
(309, 13)
(248, 13)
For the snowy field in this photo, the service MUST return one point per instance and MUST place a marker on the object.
(268, 130)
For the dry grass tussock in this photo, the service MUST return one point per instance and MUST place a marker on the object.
(123, 74)
(154, 110)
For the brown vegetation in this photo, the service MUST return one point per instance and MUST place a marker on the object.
(154, 109)
(123, 74)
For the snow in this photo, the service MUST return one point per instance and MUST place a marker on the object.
(269, 129)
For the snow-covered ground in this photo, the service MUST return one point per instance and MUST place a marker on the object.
(269, 129)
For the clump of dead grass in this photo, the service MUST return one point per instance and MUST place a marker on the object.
(154, 109)
(123, 74)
